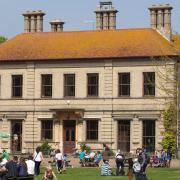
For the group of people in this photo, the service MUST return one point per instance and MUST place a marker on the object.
(12, 167)
(161, 158)
(90, 159)
(136, 166)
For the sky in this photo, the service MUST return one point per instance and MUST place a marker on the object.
(79, 14)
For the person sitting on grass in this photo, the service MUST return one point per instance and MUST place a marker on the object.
(98, 158)
(30, 166)
(22, 168)
(105, 169)
(49, 174)
(82, 157)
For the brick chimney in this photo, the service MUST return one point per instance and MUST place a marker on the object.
(33, 21)
(161, 19)
(57, 25)
(105, 16)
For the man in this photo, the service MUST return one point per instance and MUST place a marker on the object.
(30, 166)
(82, 157)
(11, 166)
(119, 163)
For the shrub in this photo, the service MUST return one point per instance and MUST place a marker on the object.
(45, 148)
(85, 147)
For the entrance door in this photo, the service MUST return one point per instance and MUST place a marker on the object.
(69, 136)
(16, 137)
(124, 135)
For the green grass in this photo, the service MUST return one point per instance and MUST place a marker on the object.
(93, 174)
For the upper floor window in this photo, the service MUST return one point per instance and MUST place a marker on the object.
(124, 84)
(46, 130)
(46, 85)
(69, 85)
(17, 85)
(92, 130)
(92, 84)
(149, 83)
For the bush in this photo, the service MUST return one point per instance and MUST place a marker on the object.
(45, 148)
(85, 147)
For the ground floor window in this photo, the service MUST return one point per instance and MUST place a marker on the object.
(47, 130)
(124, 135)
(92, 130)
(149, 135)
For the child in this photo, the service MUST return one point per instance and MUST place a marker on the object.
(49, 174)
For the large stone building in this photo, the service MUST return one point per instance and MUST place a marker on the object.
(90, 87)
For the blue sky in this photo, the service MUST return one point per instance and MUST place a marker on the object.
(76, 13)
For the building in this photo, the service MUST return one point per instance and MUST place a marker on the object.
(90, 87)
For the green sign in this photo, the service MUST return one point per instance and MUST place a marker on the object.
(4, 135)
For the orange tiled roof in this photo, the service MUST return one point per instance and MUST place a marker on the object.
(176, 39)
(86, 44)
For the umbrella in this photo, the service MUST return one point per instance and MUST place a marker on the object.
(4, 135)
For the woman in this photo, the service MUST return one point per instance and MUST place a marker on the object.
(59, 160)
(49, 174)
(38, 157)
(22, 168)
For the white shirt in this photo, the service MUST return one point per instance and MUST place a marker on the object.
(59, 156)
(38, 156)
(30, 166)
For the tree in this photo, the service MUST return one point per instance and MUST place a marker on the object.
(2, 39)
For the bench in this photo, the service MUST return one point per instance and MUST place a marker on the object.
(22, 178)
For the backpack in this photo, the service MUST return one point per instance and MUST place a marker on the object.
(137, 167)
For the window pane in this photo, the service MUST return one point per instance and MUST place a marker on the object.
(124, 84)
(92, 130)
(149, 83)
(149, 135)
(69, 85)
(47, 130)
(17, 84)
(93, 84)
(46, 85)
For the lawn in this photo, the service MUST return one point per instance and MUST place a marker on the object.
(93, 174)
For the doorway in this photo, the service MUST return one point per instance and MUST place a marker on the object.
(69, 136)
(124, 135)
(16, 136)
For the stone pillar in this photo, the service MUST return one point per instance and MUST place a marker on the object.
(26, 24)
(167, 20)
(98, 21)
(57, 25)
(112, 21)
(153, 19)
(159, 19)
(33, 25)
(105, 21)
(39, 23)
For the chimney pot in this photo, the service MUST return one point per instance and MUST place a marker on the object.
(33, 21)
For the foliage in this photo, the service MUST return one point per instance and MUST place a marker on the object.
(85, 147)
(169, 139)
(45, 148)
(2, 39)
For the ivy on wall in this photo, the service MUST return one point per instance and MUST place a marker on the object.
(169, 135)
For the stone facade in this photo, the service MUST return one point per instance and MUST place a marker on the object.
(107, 108)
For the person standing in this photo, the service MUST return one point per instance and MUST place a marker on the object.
(119, 163)
(38, 157)
(59, 160)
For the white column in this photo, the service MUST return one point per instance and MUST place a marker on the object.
(159, 19)
(26, 24)
(112, 20)
(105, 21)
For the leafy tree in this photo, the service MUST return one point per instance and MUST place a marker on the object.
(2, 39)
